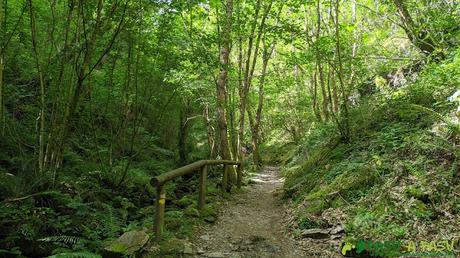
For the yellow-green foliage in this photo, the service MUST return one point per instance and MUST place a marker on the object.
(276, 152)
(396, 178)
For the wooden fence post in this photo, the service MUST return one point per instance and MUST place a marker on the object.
(202, 187)
(160, 211)
(239, 176)
(225, 179)
(202, 165)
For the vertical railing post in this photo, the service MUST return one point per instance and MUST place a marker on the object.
(160, 211)
(225, 179)
(239, 175)
(202, 187)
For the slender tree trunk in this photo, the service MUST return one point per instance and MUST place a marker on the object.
(354, 49)
(256, 125)
(2, 98)
(83, 71)
(416, 35)
(2, 49)
(183, 131)
(210, 132)
(240, 136)
(325, 98)
(42, 116)
(250, 65)
(232, 121)
(319, 64)
(314, 85)
(135, 110)
(335, 96)
(221, 90)
(244, 87)
(346, 122)
(57, 109)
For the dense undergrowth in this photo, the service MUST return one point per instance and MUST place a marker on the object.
(398, 177)
(85, 214)
(90, 204)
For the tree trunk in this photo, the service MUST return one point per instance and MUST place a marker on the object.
(221, 90)
(335, 96)
(417, 36)
(250, 66)
(346, 123)
(210, 133)
(82, 72)
(267, 52)
(244, 87)
(183, 130)
(42, 117)
(2, 99)
(319, 64)
(314, 86)
(2, 49)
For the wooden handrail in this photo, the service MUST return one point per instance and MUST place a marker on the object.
(201, 166)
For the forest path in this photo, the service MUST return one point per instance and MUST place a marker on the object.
(252, 224)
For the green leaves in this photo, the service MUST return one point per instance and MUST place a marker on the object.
(75, 255)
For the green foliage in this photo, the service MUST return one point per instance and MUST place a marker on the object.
(66, 240)
(307, 223)
(394, 176)
(75, 255)
(96, 99)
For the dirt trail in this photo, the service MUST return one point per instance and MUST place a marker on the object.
(251, 225)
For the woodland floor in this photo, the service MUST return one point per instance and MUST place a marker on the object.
(253, 224)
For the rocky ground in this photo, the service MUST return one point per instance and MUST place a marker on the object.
(253, 224)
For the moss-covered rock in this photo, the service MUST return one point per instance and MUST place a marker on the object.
(127, 244)
(176, 247)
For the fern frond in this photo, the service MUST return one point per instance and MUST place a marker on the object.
(67, 240)
(454, 127)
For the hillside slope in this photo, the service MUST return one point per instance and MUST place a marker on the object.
(398, 178)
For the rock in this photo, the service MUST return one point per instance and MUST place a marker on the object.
(216, 255)
(337, 230)
(272, 248)
(128, 243)
(176, 246)
(335, 237)
(315, 233)
(205, 237)
(210, 219)
(188, 249)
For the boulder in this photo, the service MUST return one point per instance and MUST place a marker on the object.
(127, 244)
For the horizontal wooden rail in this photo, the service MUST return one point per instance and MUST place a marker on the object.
(201, 166)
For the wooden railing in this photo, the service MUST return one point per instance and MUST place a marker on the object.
(199, 166)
